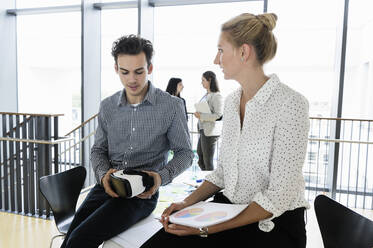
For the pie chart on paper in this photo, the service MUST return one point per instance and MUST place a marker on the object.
(212, 216)
(206, 214)
(187, 213)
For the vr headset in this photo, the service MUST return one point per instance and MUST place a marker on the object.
(130, 183)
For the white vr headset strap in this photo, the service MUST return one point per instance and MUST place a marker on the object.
(135, 181)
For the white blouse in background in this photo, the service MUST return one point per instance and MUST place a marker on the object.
(263, 161)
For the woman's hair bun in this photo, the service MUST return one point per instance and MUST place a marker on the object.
(268, 19)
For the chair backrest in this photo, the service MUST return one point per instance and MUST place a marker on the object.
(62, 191)
(341, 227)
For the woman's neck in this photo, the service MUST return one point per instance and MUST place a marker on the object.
(251, 80)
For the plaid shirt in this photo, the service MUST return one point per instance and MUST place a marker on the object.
(140, 137)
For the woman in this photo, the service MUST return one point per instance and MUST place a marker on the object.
(174, 88)
(263, 148)
(209, 130)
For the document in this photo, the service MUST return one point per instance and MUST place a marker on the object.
(202, 107)
(138, 234)
(203, 214)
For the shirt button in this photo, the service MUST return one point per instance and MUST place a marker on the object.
(134, 110)
(131, 148)
(133, 129)
(125, 162)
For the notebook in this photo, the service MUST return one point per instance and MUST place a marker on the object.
(202, 107)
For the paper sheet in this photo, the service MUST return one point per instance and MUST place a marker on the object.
(202, 107)
(204, 214)
(139, 233)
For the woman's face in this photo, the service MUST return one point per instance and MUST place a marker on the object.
(227, 57)
(179, 87)
(205, 83)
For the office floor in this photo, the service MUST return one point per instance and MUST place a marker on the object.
(17, 231)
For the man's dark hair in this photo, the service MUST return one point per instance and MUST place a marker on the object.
(172, 86)
(132, 45)
(211, 77)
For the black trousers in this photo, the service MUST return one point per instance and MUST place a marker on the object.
(205, 150)
(289, 232)
(101, 217)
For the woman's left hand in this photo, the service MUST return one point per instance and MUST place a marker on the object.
(197, 114)
(178, 230)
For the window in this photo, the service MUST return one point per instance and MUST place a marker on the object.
(358, 85)
(185, 40)
(49, 66)
(306, 32)
(44, 3)
(114, 24)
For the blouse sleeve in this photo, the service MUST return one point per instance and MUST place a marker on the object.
(289, 150)
(216, 177)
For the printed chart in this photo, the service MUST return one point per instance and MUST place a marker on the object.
(206, 214)
(212, 216)
(187, 213)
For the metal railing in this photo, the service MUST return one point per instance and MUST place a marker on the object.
(30, 148)
(354, 178)
(77, 151)
(355, 172)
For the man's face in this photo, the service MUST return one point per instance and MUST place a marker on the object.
(133, 72)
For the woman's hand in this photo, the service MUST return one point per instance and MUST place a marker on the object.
(179, 230)
(197, 115)
(176, 206)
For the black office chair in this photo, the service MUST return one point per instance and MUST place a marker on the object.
(341, 227)
(62, 191)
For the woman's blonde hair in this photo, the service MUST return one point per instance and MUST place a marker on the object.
(255, 30)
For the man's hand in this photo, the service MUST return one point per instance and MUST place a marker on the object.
(157, 183)
(105, 182)
(197, 115)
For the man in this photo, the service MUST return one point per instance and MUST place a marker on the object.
(136, 129)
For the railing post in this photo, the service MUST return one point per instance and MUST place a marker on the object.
(55, 147)
(4, 176)
(1, 173)
(33, 190)
(43, 132)
(333, 170)
(18, 167)
(25, 166)
(11, 165)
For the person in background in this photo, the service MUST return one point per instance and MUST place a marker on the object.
(208, 123)
(137, 127)
(264, 143)
(174, 88)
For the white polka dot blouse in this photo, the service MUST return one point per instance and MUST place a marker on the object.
(262, 162)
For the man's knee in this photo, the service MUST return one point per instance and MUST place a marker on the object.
(77, 240)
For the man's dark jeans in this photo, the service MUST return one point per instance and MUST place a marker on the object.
(102, 217)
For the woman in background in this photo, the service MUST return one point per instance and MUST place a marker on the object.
(174, 87)
(209, 130)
